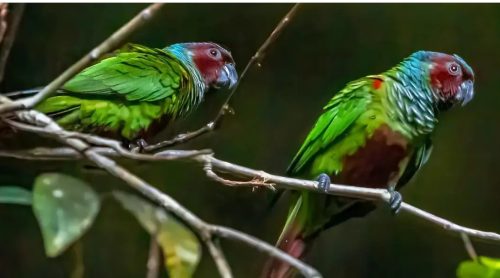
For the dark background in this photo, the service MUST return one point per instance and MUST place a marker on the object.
(324, 47)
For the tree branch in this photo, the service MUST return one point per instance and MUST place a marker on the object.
(41, 124)
(225, 108)
(153, 264)
(10, 35)
(256, 178)
(108, 45)
(469, 247)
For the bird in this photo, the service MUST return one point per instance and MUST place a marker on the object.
(374, 133)
(136, 91)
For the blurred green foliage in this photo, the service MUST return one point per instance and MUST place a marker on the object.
(483, 268)
(326, 46)
(65, 208)
(180, 246)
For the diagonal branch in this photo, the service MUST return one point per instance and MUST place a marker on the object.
(10, 34)
(39, 123)
(108, 45)
(225, 108)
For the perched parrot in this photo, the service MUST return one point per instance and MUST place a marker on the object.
(137, 90)
(374, 133)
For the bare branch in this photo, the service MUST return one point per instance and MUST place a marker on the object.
(153, 264)
(257, 58)
(180, 138)
(10, 34)
(225, 108)
(41, 124)
(469, 247)
(261, 178)
(108, 45)
(4, 12)
(219, 258)
(256, 243)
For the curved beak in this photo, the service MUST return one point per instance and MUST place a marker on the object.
(466, 92)
(228, 77)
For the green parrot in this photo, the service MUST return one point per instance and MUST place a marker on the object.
(374, 133)
(133, 93)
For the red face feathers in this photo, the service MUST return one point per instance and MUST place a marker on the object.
(451, 78)
(215, 64)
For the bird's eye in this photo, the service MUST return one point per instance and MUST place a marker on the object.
(454, 69)
(214, 52)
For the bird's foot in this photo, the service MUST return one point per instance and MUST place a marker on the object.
(395, 201)
(323, 182)
(138, 146)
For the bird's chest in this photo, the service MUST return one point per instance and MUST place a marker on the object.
(379, 162)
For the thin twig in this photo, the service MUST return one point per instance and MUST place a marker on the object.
(225, 108)
(250, 240)
(469, 247)
(180, 138)
(108, 45)
(4, 12)
(257, 58)
(153, 264)
(10, 35)
(78, 270)
(219, 258)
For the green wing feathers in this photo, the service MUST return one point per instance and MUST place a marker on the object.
(137, 73)
(123, 93)
(338, 116)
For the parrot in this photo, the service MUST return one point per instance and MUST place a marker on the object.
(137, 90)
(375, 133)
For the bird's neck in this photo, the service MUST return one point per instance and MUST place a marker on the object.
(196, 87)
(412, 98)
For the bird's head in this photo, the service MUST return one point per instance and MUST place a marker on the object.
(450, 77)
(213, 62)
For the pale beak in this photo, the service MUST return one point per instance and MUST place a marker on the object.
(466, 92)
(228, 77)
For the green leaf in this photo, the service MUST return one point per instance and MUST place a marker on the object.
(483, 268)
(181, 248)
(15, 195)
(65, 208)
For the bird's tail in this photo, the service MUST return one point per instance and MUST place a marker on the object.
(292, 241)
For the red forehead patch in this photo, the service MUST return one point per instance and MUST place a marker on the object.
(377, 83)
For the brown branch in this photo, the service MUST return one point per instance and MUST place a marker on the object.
(180, 138)
(4, 12)
(225, 108)
(153, 264)
(10, 34)
(257, 58)
(108, 45)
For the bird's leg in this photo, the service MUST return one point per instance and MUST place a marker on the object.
(139, 145)
(142, 144)
(323, 182)
(395, 200)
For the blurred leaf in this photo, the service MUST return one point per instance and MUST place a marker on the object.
(65, 208)
(15, 195)
(181, 248)
(483, 268)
